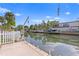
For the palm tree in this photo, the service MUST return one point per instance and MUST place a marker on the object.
(10, 18)
(52, 24)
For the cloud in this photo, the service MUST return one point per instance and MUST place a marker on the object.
(56, 18)
(67, 13)
(48, 16)
(17, 14)
(4, 10)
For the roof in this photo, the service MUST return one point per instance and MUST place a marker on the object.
(70, 22)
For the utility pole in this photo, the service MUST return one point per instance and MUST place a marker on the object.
(58, 10)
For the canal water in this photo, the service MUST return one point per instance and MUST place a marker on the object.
(55, 44)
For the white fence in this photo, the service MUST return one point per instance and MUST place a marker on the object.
(9, 37)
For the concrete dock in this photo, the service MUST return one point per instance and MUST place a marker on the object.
(21, 48)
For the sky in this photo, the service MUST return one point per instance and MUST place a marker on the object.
(38, 12)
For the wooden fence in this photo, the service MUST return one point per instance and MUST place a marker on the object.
(9, 37)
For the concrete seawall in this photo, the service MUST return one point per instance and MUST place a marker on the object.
(64, 33)
(37, 49)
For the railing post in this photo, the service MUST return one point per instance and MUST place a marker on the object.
(3, 37)
(13, 37)
(10, 37)
(0, 38)
(6, 37)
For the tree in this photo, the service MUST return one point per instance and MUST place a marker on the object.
(2, 21)
(32, 27)
(52, 24)
(19, 27)
(10, 18)
(26, 27)
(44, 25)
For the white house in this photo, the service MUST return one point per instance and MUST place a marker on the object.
(68, 26)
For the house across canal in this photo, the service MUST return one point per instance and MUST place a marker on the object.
(68, 26)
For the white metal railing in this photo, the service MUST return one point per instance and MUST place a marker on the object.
(9, 37)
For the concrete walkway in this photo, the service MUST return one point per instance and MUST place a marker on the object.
(20, 49)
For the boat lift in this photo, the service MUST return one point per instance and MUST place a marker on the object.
(23, 31)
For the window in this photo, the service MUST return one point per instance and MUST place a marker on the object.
(65, 25)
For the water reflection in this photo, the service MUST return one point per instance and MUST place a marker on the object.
(56, 45)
